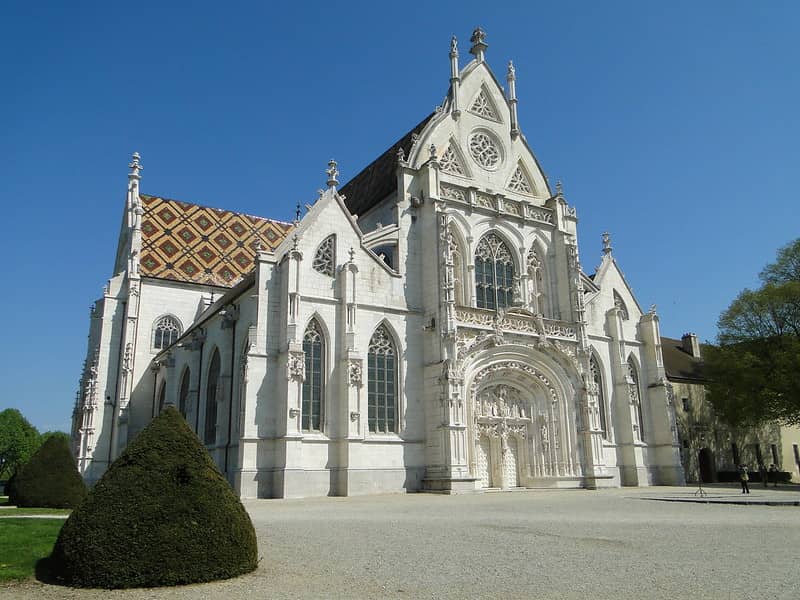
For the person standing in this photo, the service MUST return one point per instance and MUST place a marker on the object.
(744, 478)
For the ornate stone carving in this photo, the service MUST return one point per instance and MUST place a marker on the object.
(484, 150)
(482, 107)
(452, 192)
(354, 375)
(514, 366)
(543, 215)
(519, 182)
(518, 323)
(450, 163)
(296, 366)
(325, 257)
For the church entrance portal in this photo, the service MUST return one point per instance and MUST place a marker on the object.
(503, 419)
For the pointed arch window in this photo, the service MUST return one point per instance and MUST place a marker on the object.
(636, 398)
(166, 332)
(494, 273)
(212, 392)
(620, 304)
(382, 382)
(325, 257)
(314, 349)
(536, 282)
(183, 396)
(597, 378)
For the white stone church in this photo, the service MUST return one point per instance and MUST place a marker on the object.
(426, 326)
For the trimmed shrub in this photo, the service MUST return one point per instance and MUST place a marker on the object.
(50, 478)
(161, 515)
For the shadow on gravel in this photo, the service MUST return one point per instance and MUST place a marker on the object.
(44, 574)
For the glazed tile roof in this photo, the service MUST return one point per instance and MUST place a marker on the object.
(187, 242)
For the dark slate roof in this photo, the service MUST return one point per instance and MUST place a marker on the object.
(379, 178)
(679, 364)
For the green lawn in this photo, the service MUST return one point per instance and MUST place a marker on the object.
(22, 543)
(16, 512)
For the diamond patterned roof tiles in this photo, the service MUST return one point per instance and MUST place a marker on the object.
(197, 244)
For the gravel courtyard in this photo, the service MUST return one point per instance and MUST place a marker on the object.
(535, 544)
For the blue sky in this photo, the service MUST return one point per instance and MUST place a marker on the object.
(674, 125)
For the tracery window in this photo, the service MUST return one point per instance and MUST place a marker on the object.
(519, 182)
(183, 396)
(484, 150)
(382, 382)
(449, 162)
(494, 273)
(481, 106)
(314, 348)
(536, 282)
(597, 378)
(166, 332)
(325, 257)
(212, 384)
(620, 304)
(635, 397)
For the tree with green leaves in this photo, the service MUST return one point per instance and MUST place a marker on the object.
(755, 368)
(18, 441)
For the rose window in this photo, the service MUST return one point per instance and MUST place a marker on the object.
(484, 150)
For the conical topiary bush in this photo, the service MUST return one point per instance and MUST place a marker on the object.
(50, 478)
(161, 515)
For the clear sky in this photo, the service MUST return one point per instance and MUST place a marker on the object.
(673, 125)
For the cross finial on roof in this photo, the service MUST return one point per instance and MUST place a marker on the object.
(135, 167)
(479, 45)
(333, 173)
(607, 243)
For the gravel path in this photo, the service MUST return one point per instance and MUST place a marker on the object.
(539, 544)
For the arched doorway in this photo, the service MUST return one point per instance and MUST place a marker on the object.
(705, 462)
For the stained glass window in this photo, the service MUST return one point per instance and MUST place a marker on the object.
(313, 347)
(382, 382)
(494, 273)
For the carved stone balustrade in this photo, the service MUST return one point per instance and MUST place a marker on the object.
(516, 322)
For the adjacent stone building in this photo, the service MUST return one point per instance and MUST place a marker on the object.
(427, 326)
(710, 449)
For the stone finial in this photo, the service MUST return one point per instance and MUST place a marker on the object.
(453, 46)
(512, 73)
(479, 45)
(607, 243)
(352, 254)
(135, 167)
(559, 189)
(653, 309)
(432, 151)
(401, 155)
(333, 173)
(297, 213)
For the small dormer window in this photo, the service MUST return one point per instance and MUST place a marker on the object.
(325, 257)
(386, 254)
(166, 332)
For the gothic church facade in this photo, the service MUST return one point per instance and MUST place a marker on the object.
(426, 326)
